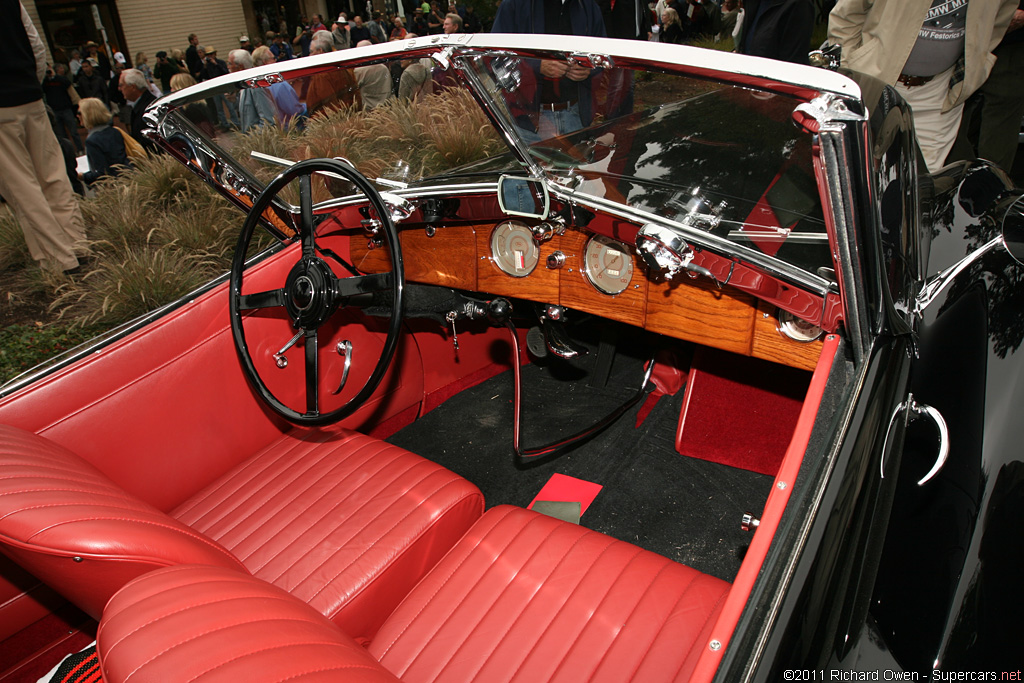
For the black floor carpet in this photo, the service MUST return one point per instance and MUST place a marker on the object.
(686, 509)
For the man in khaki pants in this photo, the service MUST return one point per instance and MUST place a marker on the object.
(934, 52)
(33, 178)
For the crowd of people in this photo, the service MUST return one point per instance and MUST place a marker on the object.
(918, 46)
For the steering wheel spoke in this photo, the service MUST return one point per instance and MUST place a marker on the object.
(306, 227)
(363, 284)
(312, 293)
(312, 374)
(269, 299)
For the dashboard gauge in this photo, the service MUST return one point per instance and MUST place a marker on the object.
(608, 264)
(513, 248)
(797, 329)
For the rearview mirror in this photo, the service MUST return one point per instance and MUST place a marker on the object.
(518, 196)
(1013, 230)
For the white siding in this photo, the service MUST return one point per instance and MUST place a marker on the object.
(153, 26)
(150, 27)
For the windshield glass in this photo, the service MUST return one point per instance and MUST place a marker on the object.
(400, 120)
(718, 157)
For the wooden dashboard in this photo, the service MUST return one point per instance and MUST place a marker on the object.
(695, 310)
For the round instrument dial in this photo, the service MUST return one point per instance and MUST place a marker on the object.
(797, 329)
(513, 248)
(608, 264)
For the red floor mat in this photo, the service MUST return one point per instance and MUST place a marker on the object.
(562, 488)
(740, 411)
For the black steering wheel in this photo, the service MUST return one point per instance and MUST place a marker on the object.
(312, 293)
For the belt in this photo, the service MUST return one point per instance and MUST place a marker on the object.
(913, 81)
(556, 106)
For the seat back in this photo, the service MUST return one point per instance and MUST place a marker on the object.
(197, 622)
(74, 529)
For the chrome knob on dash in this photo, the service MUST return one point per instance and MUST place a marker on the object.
(555, 260)
(749, 522)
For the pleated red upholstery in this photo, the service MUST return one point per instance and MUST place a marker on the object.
(343, 521)
(67, 523)
(524, 597)
(211, 625)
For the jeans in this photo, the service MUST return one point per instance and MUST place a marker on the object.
(554, 123)
(218, 102)
(66, 125)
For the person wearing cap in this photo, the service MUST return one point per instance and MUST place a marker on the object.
(419, 23)
(164, 70)
(98, 59)
(339, 32)
(281, 49)
(213, 68)
(245, 44)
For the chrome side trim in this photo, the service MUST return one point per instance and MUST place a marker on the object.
(773, 266)
(829, 118)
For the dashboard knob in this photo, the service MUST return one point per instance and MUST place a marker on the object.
(556, 260)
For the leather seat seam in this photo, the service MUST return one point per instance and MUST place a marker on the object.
(337, 504)
(444, 582)
(386, 534)
(529, 602)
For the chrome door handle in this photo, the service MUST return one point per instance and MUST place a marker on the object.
(940, 422)
(919, 409)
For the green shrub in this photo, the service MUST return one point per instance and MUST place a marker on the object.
(25, 346)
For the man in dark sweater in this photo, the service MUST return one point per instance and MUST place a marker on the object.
(57, 90)
(32, 175)
(91, 84)
(777, 29)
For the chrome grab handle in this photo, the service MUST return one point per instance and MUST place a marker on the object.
(344, 349)
(940, 422)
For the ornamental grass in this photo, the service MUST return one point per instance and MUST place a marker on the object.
(157, 232)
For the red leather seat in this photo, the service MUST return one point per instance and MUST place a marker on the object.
(194, 622)
(521, 597)
(525, 597)
(344, 521)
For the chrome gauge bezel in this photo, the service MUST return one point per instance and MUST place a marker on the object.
(795, 328)
(503, 253)
(593, 257)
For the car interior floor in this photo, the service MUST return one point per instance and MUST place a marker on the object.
(685, 508)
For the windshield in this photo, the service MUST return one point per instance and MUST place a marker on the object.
(718, 157)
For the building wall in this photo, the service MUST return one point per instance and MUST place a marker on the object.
(150, 27)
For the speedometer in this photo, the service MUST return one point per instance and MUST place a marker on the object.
(608, 264)
(513, 248)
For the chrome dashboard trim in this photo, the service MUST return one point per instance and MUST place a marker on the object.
(723, 247)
